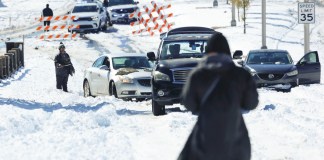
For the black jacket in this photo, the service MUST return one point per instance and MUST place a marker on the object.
(220, 132)
(47, 12)
(63, 65)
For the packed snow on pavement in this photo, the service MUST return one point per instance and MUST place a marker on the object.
(39, 122)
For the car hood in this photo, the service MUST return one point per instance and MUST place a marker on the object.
(271, 68)
(125, 6)
(179, 63)
(85, 14)
(134, 73)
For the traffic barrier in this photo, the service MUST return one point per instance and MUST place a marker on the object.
(56, 18)
(57, 27)
(10, 63)
(57, 36)
(153, 19)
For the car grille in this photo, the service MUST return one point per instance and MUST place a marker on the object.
(180, 75)
(128, 10)
(85, 26)
(269, 77)
(83, 19)
(145, 82)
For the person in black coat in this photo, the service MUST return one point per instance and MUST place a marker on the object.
(63, 68)
(217, 91)
(47, 12)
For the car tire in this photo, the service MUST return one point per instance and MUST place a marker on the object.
(86, 89)
(114, 90)
(157, 109)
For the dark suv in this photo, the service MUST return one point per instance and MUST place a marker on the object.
(179, 51)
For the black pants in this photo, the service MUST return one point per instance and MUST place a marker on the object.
(61, 82)
(47, 23)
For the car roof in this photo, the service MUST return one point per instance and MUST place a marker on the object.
(86, 4)
(113, 55)
(188, 33)
(267, 50)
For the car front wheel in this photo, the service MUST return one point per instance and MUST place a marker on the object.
(86, 89)
(157, 109)
(114, 90)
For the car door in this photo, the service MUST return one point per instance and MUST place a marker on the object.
(309, 69)
(95, 78)
(103, 77)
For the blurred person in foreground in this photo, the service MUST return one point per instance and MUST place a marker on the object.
(63, 68)
(217, 91)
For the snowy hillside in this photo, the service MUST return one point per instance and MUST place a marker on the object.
(39, 122)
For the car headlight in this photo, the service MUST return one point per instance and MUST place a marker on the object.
(158, 76)
(114, 15)
(75, 18)
(292, 73)
(125, 79)
(94, 18)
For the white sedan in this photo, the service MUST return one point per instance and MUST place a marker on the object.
(126, 76)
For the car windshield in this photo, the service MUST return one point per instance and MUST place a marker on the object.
(269, 58)
(119, 2)
(183, 49)
(130, 62)
(78, 9)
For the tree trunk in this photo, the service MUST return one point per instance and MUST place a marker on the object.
(238, 13)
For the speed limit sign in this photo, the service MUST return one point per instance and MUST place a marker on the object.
(306, 12)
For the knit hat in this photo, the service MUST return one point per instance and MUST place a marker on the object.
(61, 46)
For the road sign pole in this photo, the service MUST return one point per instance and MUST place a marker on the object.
(233, 22)
(306, 38)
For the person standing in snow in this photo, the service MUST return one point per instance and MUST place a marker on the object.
(105, 3)
(63, 68)
(47, 12)
(217, 90)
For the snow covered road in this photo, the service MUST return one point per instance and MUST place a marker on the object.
(39, 122)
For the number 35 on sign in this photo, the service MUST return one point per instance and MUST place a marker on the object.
(306, 13)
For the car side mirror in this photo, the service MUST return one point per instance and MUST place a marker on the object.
(104, 67)
(151, 56)
(237, 54)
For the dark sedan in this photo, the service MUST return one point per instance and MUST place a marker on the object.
(271, 68)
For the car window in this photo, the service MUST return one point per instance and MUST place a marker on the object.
(98, 62)
(183, 49)
(310, 59)
(130, 62)
(78, 9)
(269, 58)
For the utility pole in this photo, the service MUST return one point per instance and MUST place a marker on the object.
(264, 32)
(233, 22)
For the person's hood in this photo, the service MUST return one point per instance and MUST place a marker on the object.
(124, 6)
(218, 63)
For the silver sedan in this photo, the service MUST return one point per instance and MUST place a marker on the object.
(126, 76)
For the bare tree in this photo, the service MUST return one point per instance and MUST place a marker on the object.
(242, 4)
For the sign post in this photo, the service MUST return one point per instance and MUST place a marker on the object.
(306, 16)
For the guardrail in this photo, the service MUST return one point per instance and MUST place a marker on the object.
(12, 60)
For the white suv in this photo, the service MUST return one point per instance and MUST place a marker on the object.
(91, 17)
(120, 9)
